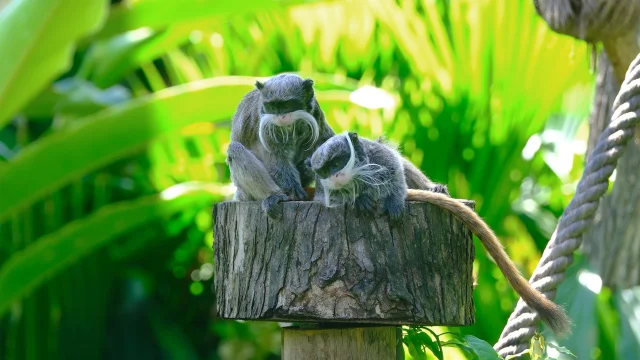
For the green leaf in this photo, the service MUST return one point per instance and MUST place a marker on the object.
(577, 295)
(40, 261)
(36, 42)
(108, 61)
(157, 14)
(628, 306)
(42, 106)
(82, 98)
(118, 131)
(463, 346)
(561, 349)
(415, 350)
(482, 349)
(73, 97)
(417, 338)
(433, 345)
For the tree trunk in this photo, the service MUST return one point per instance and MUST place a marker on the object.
(329, 265)
(613, 242)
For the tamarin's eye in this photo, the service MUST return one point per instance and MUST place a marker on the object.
(229, 160)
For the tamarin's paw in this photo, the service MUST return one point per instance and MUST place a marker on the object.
(271, 207)
(442, 189)
(394, 210)
(364, 204)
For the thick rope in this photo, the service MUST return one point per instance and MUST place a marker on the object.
(579, 214)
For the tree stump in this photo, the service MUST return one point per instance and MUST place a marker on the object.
(331, 265)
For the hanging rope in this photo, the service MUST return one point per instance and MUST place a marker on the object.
(579, 214)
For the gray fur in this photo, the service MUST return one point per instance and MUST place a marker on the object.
(284, 154)
(415, 178)
(388, 174)
(252, 179)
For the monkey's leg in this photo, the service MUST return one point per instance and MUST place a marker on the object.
(393, 205)
(415, 179)
(252, 180)
(437, 188)
(240, 195)
(286, 175)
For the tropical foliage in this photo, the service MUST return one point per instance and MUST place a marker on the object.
(114, 119)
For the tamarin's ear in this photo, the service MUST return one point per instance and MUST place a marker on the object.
(259, 85)
(307, 87)
(357, 146)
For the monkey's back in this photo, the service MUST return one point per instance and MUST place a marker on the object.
(414, 178)
(246, 120)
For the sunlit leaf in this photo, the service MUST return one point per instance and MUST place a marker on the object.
(561, 349)
(157, 14)
(414, 347)
(108, 61)
(82, 98)
(118, 131)
(36, 42)
(461, 344)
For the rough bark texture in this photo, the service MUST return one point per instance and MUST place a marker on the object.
(613, 242)
(621, 51)
(330, 265)
(364, 343)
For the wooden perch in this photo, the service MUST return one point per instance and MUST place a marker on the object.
(329, 265)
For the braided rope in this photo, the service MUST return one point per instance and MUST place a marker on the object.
(579, 214)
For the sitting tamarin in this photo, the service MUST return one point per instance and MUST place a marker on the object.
(366, 174)
(281, 123)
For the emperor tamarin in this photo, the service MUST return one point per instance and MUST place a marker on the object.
(281, 123)
(368, 174)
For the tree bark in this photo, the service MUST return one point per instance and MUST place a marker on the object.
(363, 343)
(613, 242)
(330, 265)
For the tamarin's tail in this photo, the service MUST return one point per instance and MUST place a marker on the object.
(550, 313)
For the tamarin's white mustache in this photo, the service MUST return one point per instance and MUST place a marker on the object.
(272, 127)
(355, 176)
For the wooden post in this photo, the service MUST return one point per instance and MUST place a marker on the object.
(330, 266)
(356, 342)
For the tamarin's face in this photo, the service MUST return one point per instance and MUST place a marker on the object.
(285, 97)
(286, 104)
(334, 162)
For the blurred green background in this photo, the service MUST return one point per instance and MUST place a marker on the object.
(114, 122)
